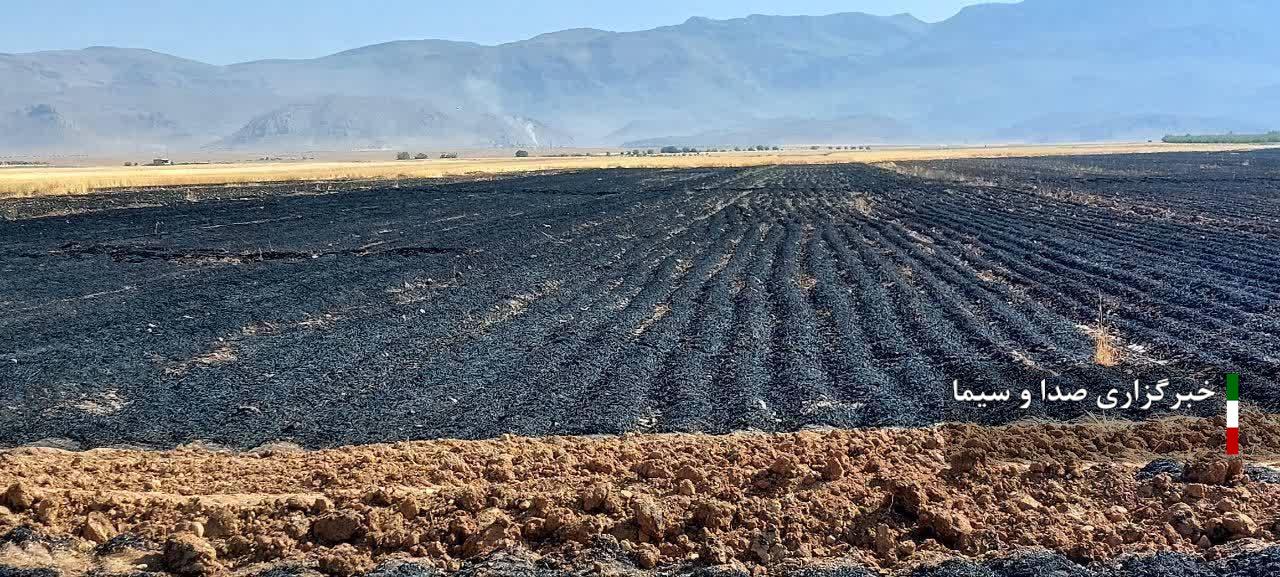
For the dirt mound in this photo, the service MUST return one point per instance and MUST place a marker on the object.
(883, 499)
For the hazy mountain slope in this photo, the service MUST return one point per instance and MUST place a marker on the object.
(1115, 29)
(720, 71)
(1001, 64)
(117, 96)
(369, 122)
(102, 67)
(1041, 69)
(40, 126)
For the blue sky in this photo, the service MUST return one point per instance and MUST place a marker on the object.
(226, 31)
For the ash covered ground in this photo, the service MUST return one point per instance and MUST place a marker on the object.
(614, 301)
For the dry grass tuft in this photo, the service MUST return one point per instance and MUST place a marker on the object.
(1105, 351)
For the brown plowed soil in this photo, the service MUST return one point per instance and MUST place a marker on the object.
(886, 498)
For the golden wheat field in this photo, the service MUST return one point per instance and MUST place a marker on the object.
(41, 181)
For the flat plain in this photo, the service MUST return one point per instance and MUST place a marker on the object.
(772, 298)
(85, 175)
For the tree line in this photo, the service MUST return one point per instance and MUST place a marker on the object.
(1228, 138)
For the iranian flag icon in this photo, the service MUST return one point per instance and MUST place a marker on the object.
(1233, 413)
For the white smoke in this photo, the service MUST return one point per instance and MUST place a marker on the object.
(531, 131)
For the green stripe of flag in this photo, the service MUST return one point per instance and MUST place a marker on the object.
(1233, 386)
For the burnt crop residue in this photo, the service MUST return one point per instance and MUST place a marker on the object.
(615, 301)
(136, 254)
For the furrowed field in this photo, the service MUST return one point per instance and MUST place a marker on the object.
(712, 299)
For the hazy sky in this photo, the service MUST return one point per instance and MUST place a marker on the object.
(226, 31)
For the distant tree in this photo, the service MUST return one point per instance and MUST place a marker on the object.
(448, 155)
(670, 150)
(648, 152)
(403, 156)
(522, 154)
(421, 156)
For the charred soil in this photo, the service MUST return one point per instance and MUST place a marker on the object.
(615, 301)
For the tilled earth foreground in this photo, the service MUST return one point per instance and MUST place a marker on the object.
(1081, 500)
(615, 301)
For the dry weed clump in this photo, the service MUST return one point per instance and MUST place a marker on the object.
(1105, 352)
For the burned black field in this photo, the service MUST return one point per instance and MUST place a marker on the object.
(613, 301)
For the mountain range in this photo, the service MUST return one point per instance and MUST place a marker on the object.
(1033, 71)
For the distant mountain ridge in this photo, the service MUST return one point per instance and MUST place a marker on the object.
(1036, 70)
